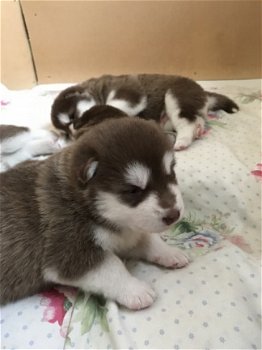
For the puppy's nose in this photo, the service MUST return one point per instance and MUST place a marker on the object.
(171, 216)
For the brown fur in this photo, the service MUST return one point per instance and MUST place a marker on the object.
(48, 215)
(94, 116)
(7, 131)
(191, 96)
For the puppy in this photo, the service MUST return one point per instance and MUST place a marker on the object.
(96, 115)
(72, 217)
(179, 100)
(20, 143)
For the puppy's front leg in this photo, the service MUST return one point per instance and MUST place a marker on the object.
(153, 249)
(111, 279)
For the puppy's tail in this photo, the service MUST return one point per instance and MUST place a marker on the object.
(216, 102)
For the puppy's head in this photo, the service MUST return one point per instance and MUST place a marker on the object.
(124, 170)
(69, 106)
(94, 116)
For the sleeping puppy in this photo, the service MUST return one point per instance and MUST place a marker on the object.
(93, 116)
(20, 143)
(97, 114)
(175, 102)
(72, 217)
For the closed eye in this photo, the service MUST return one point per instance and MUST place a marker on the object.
(133, 190)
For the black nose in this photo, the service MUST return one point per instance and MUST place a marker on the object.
(171, 216)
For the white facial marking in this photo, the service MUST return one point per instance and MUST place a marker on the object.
(145, 217)
(125, 106)
(63, 118)
(167, 161)
(110, 96)
(91, 170)
(137, 174)
(83, 106)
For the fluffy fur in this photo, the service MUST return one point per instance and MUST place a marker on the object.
(179, 100)
(20, 143)
(70, 219)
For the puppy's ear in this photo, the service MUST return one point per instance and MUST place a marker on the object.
(87, 171)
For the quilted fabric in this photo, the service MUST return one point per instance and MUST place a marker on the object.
(212, 303)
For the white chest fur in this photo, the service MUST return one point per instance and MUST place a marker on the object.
(118, 243)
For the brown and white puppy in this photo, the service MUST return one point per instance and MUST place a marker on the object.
(179, 100)
(70, 219)
(98, 114)
(93, 116)
(18, 144)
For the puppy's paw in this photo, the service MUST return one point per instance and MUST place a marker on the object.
(199, 129)
(182, 143)
(137, 295)
(171, 257)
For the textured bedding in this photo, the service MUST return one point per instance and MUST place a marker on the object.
(212, 303)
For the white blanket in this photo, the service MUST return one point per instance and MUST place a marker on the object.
(212, 303)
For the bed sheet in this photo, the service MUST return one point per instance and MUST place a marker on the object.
(212, 303)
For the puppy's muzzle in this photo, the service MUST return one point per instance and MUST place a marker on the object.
(171, 216)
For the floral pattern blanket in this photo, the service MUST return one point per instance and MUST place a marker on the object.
(212, 303)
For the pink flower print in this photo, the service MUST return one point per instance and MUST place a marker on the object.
(240, 242)
(198, 239)
(258, 171)
(55, 310)
(206, 131)
(212, 115)
(4, 103)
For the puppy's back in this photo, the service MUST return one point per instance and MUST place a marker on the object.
(21, 240)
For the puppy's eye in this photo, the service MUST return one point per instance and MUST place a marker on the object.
(133, 190)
